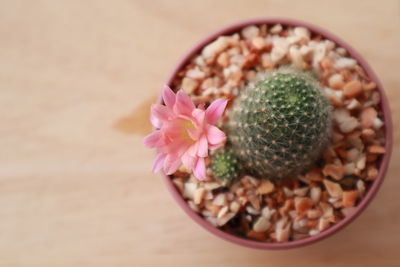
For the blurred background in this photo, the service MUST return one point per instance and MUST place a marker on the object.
(76, 82)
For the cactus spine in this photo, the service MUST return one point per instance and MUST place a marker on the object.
(279, 126)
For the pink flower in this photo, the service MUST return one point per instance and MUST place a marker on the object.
(184, 133)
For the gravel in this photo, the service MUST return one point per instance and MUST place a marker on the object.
(279, 211)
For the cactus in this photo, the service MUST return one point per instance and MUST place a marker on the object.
(225, 166)
(280, 125)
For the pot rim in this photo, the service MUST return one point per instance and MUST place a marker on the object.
(384, 161)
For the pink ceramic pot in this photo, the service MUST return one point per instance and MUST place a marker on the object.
(383, 164)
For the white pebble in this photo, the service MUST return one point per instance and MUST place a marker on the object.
(377, 123)
(375, 98)
(261, 224)
(250, 32)
(336, 81)
(223, 220)
(337, 94)
(344, 62)
(314, 214)
(305, 50)
(237, 60)
(296, 56)
(349, 125)
(345, 122)
(252, 210)
(302, 32)
(323, 224)
(199, 60)
(220, 200)
(279, 50)
(293, 39)
(361, 162)
(189, 189)
(266, 60)
(195, 74)
(276, 28)
(349, 168)
(234, 206)
(199, 195)
(315, 194)
(354, 104)
(302, 191)
(360, 187)
(341, 51)
(222, 212)
(300, 225)
(189, 85)
(288, 192)
(282, 230)
(267, 212)
(329, 45)
(212, 220)
(211, 186)
(313, 232)
(258, 42)
(216, 47)
(319, 54)
(348, 211)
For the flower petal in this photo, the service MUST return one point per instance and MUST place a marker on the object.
(194, 133)
(193, 149)
(210, 146)
(156, 122)
(203, 147)
(214, 135)
(185, 132)
(199, 116)
(159, 113)
(171, 164)
(152, 139)
(183, 104)
(168, 96)
(158, 162)
(188, 161)
(200, 169)
(215, 110)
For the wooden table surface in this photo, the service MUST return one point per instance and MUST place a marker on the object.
(76, 81)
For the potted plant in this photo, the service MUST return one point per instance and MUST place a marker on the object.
(275, 133)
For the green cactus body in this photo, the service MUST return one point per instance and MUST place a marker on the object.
(279, 126)
(225, 166)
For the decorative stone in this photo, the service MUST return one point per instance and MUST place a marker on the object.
(261, 225)
(352, 89)
(335, 171)
(302, 204)
(189, 85)
(199, 195)
(368, 115)
(315, 194)
(336, 81)
(265, 187)
(350, 198)
(189, 189)
(333, 189)
(250, 32)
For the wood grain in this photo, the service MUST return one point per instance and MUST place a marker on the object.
(76, 81)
